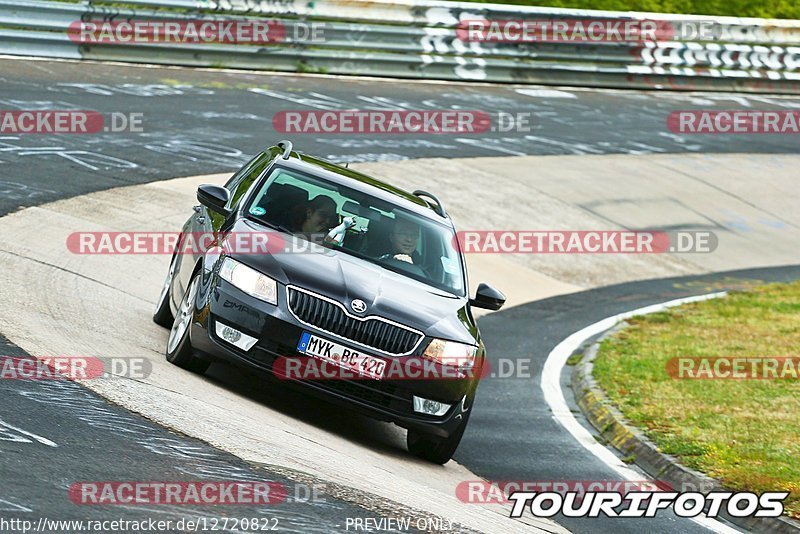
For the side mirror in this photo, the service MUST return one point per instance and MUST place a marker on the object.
(215, 198)
(488, 298)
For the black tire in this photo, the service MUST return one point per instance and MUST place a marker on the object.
(163, 314)
(434, 448)
(179, 346)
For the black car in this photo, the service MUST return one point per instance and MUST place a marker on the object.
(364, 277)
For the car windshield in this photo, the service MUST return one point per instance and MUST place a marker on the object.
(377, 231)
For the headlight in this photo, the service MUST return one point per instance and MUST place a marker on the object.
(451, 353)
(249, 280)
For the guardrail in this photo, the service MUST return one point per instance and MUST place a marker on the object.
(425, 39)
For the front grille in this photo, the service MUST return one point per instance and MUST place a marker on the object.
(374, 392)
(372, 332)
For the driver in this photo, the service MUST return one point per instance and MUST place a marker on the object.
(404, 238)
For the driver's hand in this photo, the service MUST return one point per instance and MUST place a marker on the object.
(403, 257)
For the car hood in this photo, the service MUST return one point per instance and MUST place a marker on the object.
(343, 278)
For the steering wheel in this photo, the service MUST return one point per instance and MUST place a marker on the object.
(403, 265)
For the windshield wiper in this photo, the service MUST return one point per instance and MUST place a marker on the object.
(273, 225)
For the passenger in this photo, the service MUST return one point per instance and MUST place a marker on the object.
(404, 239)
(317, 216)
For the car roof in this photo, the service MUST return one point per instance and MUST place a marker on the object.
(362, 182)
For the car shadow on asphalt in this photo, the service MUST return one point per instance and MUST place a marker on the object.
(265, 389)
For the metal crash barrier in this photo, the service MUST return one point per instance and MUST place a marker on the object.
(425, 39)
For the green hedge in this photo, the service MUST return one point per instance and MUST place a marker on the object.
(781, 9)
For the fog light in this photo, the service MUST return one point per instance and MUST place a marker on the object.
(235, 337)
(430, 407)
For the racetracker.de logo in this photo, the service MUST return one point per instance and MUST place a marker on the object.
(146, 243)
(734, 368)
(734, 122)
(177, 32)
(73, 368)
(382, 122)
(51, 368)
(68, 122)
(195, 493)
(585, 242)
(353, 366)
(564, 31)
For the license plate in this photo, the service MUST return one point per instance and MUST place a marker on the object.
(342, 356)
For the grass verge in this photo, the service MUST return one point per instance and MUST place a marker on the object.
(743, 432)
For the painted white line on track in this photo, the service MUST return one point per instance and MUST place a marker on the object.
(551, 387)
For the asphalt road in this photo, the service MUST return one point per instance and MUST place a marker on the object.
(204, 121)
(512, 435)
(207, 121)
(55, 433)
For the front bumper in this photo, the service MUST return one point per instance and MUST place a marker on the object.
(278, 333)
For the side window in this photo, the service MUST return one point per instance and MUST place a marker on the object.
(240, 183)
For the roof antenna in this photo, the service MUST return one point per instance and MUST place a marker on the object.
(438, 207)
(347, 165)
(286, 146)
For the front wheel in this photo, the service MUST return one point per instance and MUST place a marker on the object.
(434, 448)
(179, 346)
